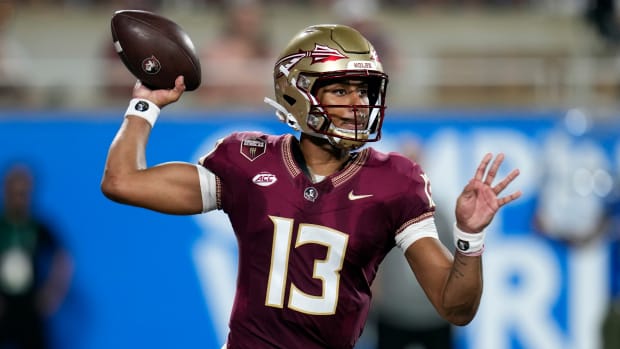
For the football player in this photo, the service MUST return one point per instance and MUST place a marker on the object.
(314, 215)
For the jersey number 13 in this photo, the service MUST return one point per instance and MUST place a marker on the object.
(326, 270)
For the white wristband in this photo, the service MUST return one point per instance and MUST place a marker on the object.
(467, 243)
(143, 108)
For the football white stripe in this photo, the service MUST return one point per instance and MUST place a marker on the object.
(117, 47)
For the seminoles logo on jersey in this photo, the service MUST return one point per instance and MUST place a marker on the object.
(151, 65)
(319, 54)
(252, 148)
(311, 194)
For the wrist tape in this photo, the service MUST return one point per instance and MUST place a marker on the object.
(144, 109)
(467, 243)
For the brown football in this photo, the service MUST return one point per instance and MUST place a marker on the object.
(155, 49)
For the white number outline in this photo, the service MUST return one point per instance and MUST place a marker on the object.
(427, 189)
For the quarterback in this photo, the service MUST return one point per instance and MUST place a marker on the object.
(315, 211)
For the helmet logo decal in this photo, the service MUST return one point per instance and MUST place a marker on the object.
(252, 148)
(319, 54)
(322, 54)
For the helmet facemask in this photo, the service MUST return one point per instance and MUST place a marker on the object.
(367, 119)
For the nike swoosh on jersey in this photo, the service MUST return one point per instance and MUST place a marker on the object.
(357, 197)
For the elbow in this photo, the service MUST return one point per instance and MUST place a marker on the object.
(461, 319)
(112, 187)
(461, 316)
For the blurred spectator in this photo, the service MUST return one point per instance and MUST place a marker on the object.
(362, 15)
(570, 207)
(14, 60)
(236, 65)
(405, 318)
(602, 15)
(34, 268)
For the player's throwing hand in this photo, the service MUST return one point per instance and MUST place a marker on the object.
(161, 97)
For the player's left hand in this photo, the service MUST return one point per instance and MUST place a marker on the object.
(479, 201)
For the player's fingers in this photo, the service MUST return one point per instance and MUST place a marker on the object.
(494, 168)
(138, 87)
(180, 80)
(506, 181)
(510, 198)
(140, 91)
(483, 166)
(179, 86)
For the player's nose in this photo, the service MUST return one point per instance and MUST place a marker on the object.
(356, 97)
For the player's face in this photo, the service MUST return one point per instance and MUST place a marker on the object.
(346, 103)
(17, 194)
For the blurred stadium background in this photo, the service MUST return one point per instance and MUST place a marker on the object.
(538, 80)
(448, 53)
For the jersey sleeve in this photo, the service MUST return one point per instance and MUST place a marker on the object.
(417, 210)
(414, 202)
(215, 160)
(230, 174)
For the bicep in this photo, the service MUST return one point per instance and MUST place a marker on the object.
(172, 188)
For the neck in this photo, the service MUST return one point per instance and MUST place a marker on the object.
(321, 157)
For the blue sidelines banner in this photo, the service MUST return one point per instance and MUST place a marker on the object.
(148, 280)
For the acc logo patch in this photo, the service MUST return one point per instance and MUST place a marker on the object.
(264, 179)
(252, 148)
(151, 65)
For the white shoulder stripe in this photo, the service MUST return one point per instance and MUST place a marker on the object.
(208, 189)
(414, 232)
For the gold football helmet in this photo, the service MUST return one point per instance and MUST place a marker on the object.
(315, 57)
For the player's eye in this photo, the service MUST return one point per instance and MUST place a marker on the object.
(340, 92)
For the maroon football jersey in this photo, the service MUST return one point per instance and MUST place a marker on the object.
(308, 252)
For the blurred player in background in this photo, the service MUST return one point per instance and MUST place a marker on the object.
(35, 269)
(577, 209)
(314, 216)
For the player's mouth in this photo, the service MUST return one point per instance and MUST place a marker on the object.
(358, 123)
